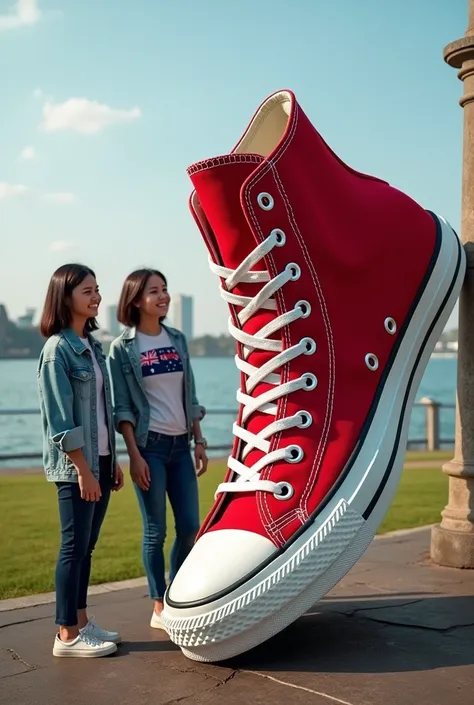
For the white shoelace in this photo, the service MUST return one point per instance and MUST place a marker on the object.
(90, 639)
(93, 629)
(248, 478)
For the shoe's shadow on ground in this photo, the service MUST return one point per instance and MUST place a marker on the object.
(370, 634)
(153, 646)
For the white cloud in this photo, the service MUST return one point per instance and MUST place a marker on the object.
(61, 245)
(84, 116)
(62, 197)
(22, 13)
(10, 191)
(27, 153)
(37, 93)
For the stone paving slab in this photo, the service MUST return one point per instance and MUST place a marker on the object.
(395, 631)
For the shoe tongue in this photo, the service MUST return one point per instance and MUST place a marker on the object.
(218, 183)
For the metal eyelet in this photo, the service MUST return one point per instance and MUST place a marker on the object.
(311, 381)
(293, 454)
(265, 201)
(306, 419)
(309, 344)
(371, 361)
(286, 491)
(279, 236)
(295, 271)
(305, 307)
(390, 325)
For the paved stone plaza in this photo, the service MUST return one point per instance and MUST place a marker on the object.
(396, 630)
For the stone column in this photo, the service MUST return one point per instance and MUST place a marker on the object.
(452, 541)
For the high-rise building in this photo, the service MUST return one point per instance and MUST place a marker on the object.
(26, 321)
(182, 314)
(4, 324)
(112, 325)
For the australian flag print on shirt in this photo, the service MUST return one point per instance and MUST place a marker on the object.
(160, 362)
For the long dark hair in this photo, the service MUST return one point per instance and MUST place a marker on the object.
(57, 313)
(132, 290)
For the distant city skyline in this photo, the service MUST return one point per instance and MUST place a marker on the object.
(182, 314)
(112, 324)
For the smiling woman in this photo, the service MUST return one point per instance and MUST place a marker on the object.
(79, 448)
(157, 412)
(72, 297)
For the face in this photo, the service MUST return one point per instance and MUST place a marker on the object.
(155, 300)
(86, 299)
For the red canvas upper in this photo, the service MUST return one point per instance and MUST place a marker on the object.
(363, 248)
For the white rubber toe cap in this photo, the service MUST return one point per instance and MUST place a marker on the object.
(218, 560)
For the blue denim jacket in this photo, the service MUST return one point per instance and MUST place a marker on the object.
(67, 391)
(130, 400)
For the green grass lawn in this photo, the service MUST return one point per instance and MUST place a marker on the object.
(440, 456)
(30, 535)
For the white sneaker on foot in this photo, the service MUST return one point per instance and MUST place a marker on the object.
(101, 634)
(83, 646)
(156, 622)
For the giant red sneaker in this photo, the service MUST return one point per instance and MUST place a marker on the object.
(339, 287)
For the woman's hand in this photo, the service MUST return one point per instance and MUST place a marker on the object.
(89, 486)
(140, 472)
(118, 478)
(200, 457)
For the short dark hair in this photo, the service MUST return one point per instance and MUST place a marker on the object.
(132, 290)
(56, 314)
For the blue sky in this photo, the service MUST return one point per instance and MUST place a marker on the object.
(105, 104)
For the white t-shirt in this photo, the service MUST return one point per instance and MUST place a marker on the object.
(162, 370)
(104, 447)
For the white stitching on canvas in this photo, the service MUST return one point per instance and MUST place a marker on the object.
(223, 161)
(286, 333)
(284, 521)
(271, 165)
(332, 358)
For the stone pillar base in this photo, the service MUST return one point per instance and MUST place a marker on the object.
(453, 549)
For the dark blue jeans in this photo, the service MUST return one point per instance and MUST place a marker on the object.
(172, 472)
(81, 522)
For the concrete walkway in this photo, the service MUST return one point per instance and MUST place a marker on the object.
(395, 631)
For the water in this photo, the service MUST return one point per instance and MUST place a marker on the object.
(217, 380)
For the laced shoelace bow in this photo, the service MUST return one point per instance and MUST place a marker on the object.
(90, 639)
(248, 478)
(92, 627)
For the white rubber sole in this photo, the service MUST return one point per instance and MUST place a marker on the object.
(69, 652)
(300, 576)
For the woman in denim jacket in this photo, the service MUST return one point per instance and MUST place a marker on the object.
(79, 448)
(157, 413)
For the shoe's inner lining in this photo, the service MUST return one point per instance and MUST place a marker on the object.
(267, 128)
(262, 136)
